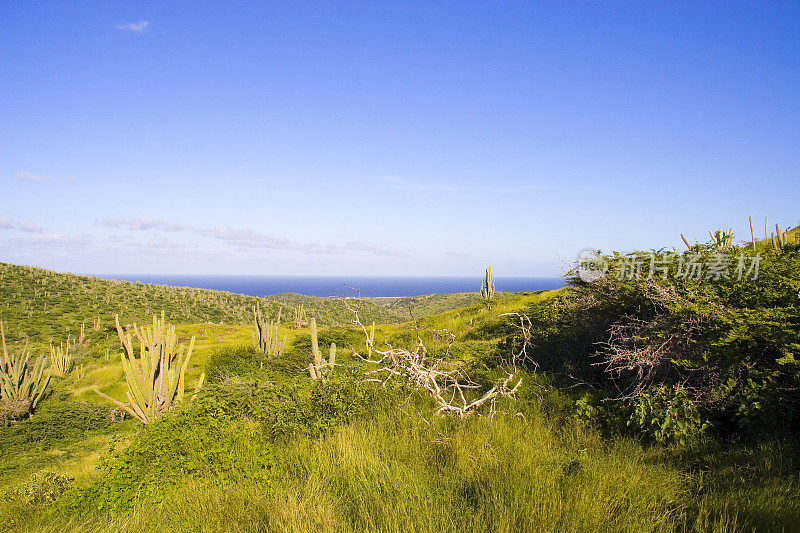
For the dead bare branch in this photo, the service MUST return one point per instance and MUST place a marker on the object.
(448, 386)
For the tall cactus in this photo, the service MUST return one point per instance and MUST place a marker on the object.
(487, 285)
(266, 337)
(370, 340)
(320, 368)
(722, 239)
(21, 385)
(156, 379)
(61, 361)
(780, 239)
(300, 317)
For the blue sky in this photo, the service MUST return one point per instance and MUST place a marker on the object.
(373, 138)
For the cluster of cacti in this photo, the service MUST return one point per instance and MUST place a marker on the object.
(320, 368)
(487, 285)
(266, 337)
(156, 379)
(21, 385)
(61, 361)
(300, 317)
(781, 238)
(723, 240)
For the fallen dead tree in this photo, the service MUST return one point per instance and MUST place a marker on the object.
(448, 385)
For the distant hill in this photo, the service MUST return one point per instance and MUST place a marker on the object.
(43, 305)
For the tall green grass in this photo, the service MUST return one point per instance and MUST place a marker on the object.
(405, 472)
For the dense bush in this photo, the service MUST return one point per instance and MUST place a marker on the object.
(668, 415)
(194, 442)
(289, 409)
(55, 421)
(226, 436)
(680, 351)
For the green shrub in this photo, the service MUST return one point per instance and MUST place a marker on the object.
(667, 414)
(290, 409)
(54, 422)
(243, 361)
(730, 344)
(587, 413)
(225, 436)
(759, 407)
(187, 442)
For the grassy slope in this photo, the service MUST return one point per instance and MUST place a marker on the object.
(510, 473)
(532, 471)
(42, 305)
(429, 304)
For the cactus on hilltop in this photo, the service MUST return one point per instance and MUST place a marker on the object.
(487, 285)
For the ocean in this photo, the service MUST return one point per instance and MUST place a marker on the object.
(340, 285)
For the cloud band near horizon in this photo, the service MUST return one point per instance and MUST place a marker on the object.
(245, 238)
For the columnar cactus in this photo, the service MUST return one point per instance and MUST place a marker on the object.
(21, 385)
(266, 337)
(487, 285)
(300, 317)
(723, 240)
(320, 368)
(156, 379)
(61, 359)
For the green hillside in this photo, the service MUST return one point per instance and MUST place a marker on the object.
(706, 440)
(41, 305)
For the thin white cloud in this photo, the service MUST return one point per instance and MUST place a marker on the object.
(30, 177)
(141, 223)
(30, 227)
(134, 27)
(41, 238)
(245, 238)
(57, 238)
(460, 255)
(355, 247)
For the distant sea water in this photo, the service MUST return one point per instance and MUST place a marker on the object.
(340, 285)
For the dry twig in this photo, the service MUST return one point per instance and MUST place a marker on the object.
(449, 387)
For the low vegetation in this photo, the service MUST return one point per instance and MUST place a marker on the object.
(623, 402)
